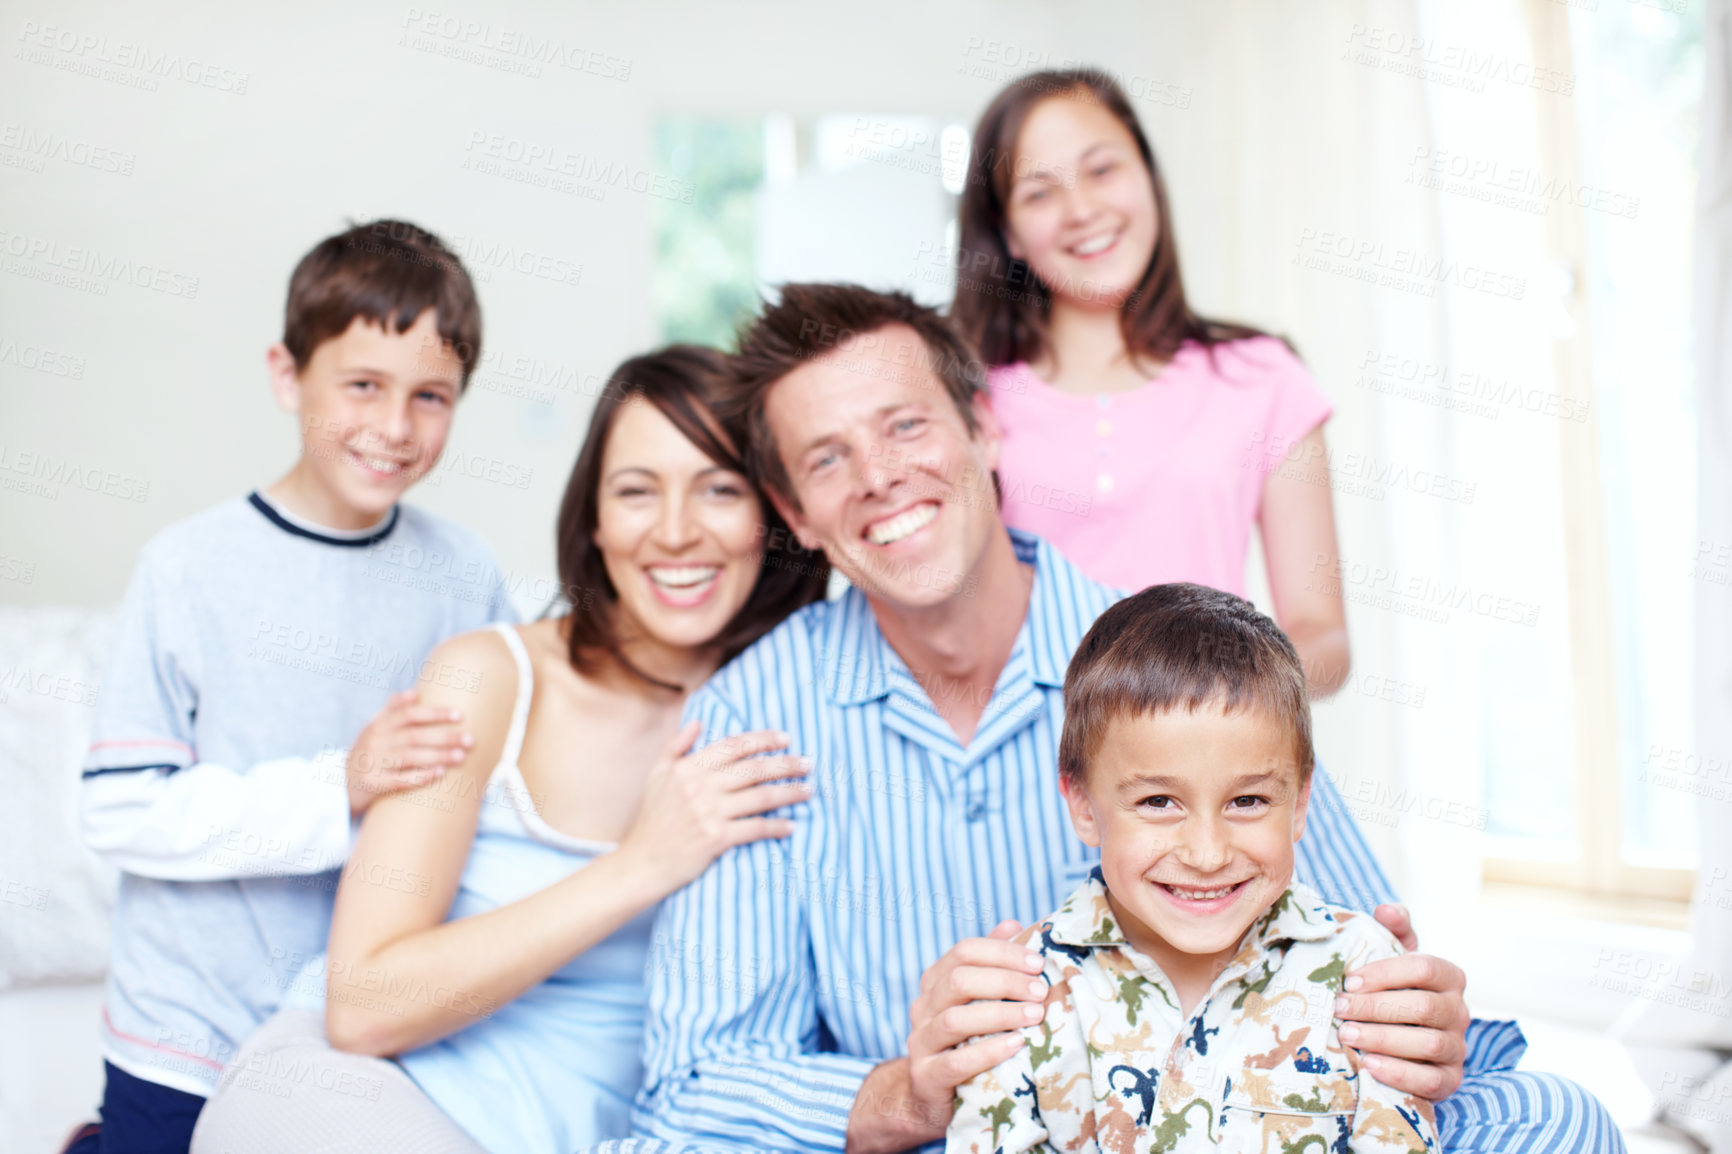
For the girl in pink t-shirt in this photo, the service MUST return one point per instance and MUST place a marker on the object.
(1141, 439)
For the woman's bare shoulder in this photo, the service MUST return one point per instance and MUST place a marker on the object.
(474, 673)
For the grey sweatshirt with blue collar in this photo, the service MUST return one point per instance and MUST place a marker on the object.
(252, 648)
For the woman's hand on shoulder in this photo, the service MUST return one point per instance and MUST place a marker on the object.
(696, 805)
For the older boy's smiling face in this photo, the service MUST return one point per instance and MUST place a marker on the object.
(1196, 815)
(891, 484)
(375, 409)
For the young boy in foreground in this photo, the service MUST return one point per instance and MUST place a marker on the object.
(1193, 983)
(257, 639)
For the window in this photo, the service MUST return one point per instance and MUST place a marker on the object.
(862, 198)
(704, 282)
(1624, 224)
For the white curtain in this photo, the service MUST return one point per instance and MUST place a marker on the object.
(1302, 191)
(1713, 908)
(1683, 1043)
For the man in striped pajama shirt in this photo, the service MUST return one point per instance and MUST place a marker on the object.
(821, 992)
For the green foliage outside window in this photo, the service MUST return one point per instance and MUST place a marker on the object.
(704, 284)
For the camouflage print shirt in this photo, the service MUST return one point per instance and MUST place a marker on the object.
(1258, 1068)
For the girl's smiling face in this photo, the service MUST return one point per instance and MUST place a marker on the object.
(1081, 204)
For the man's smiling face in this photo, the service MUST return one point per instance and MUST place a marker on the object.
(890, 482)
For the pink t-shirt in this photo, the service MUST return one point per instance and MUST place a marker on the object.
(1163, 482)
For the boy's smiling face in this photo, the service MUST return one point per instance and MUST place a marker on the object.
(1196, 815)
(375, 409)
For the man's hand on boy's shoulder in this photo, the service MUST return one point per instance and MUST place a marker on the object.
(406, 746)
(982, 991)
(1407, 1015)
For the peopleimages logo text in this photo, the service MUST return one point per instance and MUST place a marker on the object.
(99, 265)
(166, 65)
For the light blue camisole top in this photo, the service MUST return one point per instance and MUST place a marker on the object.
(557, 1069)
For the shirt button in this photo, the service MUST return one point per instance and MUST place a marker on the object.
(1104, 427)
(976, 810)
(1104, 482)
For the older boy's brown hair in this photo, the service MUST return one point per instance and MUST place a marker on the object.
(813, 319)
(1187, 647)
(390, 272)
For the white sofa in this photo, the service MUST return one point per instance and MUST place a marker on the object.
(55, 895)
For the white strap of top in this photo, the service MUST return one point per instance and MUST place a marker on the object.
(525, 692)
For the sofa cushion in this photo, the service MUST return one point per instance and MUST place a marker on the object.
(56, 896)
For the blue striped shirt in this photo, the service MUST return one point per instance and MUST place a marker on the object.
(785, 973)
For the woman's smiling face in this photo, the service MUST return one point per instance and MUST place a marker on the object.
(680, 535)
(1081, 204)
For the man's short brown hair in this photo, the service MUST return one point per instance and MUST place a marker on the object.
(390, 272)
(1184, 647)
(813, 319)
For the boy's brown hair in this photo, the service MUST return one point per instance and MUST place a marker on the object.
(813, 319)
(390, 272)
(1181, 646)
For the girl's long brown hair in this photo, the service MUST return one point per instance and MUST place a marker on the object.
(1000, 304)
(684, 382)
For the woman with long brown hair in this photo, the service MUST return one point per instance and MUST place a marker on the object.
(1142, 439)
(491, 928)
